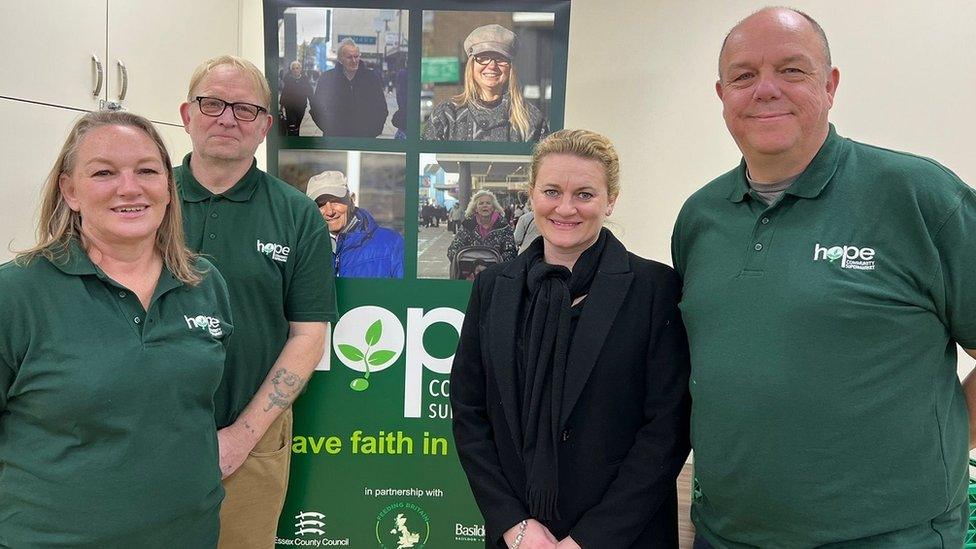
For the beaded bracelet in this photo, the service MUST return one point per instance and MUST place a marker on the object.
(520, 535)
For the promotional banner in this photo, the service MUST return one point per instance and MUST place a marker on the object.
(367, 95)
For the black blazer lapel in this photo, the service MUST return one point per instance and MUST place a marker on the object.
(506, 299)
(607, 293)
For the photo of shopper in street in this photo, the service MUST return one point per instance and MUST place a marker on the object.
(362, 248)
(296, 88)
(491, 106)
(484, 225)
(349, 100)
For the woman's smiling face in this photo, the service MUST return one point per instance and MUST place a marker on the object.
(570, 202)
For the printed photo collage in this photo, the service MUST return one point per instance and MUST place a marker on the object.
(416, 143)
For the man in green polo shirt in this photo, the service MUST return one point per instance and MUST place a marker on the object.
(271, 245)
(826, 286)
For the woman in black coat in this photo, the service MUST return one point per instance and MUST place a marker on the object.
(570, 384)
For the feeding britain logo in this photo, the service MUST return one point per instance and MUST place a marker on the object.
(402, 525)
(851, 257)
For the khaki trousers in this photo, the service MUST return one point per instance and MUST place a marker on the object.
(255, 493)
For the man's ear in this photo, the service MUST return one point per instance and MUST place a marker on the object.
(185, 116)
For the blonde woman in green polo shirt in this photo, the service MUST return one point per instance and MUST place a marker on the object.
(110, 355)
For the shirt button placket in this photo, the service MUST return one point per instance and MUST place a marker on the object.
(761, 233)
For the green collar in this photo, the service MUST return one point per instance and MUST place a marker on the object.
(242, 191)
(814, 178)
(75, 261)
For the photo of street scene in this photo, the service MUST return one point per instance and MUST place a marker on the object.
(486, 75)
(360, 197)
(342, 72)
(468, 210)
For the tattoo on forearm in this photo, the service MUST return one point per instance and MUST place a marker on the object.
(286, 387)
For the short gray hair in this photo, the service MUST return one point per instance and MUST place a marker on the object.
(346, 43)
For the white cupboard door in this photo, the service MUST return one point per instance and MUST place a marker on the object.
(30, 143)
(48, 48)
(159, 44)
(177, 141)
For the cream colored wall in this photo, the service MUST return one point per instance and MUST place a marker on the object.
(252, 48)
(643, 72)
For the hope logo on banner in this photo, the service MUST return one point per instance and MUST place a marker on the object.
(362, 343)
(370, 339)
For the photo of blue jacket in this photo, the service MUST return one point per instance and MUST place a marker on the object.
(366, 250)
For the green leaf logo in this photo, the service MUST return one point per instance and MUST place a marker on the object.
(350, 352)
(834, 253)
(379, 357)
(374, 333)
(369, 357)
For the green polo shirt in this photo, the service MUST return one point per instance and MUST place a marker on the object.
(273, 247)
(107, 436)
(826, 404)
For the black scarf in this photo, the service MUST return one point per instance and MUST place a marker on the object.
(545, 341)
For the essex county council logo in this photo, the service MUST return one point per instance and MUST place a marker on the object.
(309, 522)
(402, 525)
(310, 532)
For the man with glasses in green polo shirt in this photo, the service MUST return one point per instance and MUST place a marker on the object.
(826, 286)
(271, 245)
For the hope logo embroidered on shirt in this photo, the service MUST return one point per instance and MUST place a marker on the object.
(203, 322)
(849, 256)
(276, 251)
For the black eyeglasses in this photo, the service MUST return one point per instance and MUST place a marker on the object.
(212, 106)
(485, 60)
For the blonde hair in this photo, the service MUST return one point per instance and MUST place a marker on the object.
(59, 224)
(584, 144)
(518, 114)
(473, 203)
(246, 68)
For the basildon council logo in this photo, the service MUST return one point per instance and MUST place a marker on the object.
(402, 525)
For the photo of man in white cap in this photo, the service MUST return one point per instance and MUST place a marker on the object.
(362, 248)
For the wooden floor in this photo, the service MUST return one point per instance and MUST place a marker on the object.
(686, 530)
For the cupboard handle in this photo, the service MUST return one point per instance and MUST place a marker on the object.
(99, 74)
(125, 80)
